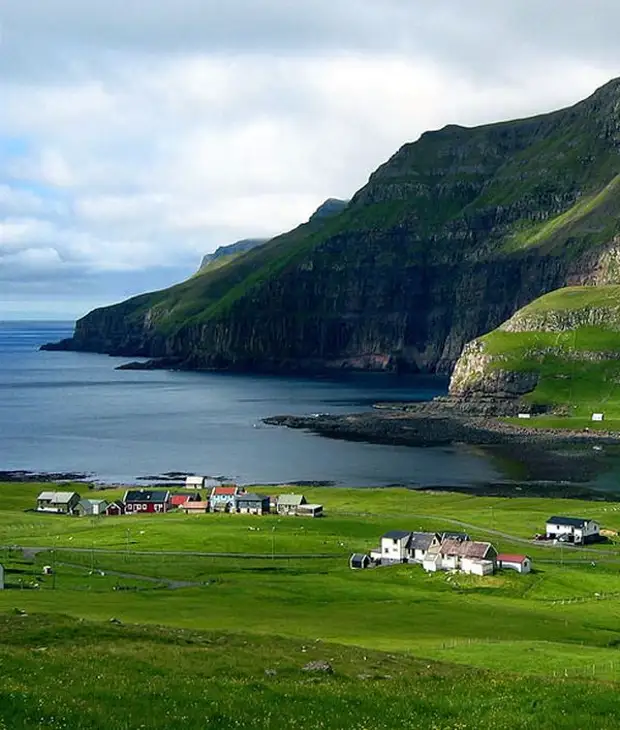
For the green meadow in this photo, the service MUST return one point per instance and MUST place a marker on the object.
(215, 617)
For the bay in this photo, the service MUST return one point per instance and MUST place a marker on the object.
(73, 412)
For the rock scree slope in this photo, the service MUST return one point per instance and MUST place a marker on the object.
(450, 237)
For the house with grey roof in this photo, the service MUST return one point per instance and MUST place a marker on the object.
(420, 543)
(90, 507)
(288, 503)
(249, 503)
(57, 502)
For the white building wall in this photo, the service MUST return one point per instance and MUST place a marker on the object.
(393, 549)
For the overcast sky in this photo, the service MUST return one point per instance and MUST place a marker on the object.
(138, 135)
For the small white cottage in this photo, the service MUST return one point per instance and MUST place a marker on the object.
(194, 482)
(394, 547)
(520, 563)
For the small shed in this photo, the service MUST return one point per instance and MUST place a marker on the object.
(598, 416)
(477, 566)
(194, 482)
(115, 509)
(359, 561)
(90, 507)
(510, 561)
(253, 504)
(289, 503)
(310, 510)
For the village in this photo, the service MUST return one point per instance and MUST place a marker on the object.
(456, 551)
(227, 498)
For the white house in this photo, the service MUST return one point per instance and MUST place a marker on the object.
(194, 482)
(420, 543)
(520, 563)
(575, 530)
(394, 547)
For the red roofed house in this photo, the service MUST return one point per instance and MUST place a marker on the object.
(224, 498)
(520, 563)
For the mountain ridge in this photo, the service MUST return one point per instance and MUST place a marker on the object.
(449, 237)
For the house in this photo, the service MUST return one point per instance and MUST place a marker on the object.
(115, 509)
(520, 563)
(467, 556)
(138, 501)
(309, 510)
(180, 498)
(224, 498)
(195, 508)
(194, 482)
(420, 543)
(253, 504)
(393, 549)
(576, 530)
(288, 503)
(90, 507)
(58, 502)
(359, 561)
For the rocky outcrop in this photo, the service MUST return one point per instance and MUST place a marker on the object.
(448, 239)
(233, 249)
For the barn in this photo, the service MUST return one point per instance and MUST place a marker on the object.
(140, 501)
(115, 509)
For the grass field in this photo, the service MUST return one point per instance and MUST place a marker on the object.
(461, 651)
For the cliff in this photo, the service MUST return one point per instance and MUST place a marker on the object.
(448, 239)
(225, 254)
(559, 353)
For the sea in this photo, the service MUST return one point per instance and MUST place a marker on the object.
(68, 412)
(74, 412)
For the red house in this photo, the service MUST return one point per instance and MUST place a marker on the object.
(115, 509)
(139, 501)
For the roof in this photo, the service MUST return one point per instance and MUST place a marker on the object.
(194, 480)
(396, 535)
(291, 500)
(225, 491)
(465, 548)
(146, 495)
(421, 540)
(177, 499)
(58, 497)
(509, 558)
(195, 505)
(359, 557)
(251, 497)
(454, 536)
(569, 521)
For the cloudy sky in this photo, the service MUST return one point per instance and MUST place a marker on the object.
(137, 135)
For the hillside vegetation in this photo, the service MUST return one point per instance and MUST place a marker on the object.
(449, 238)
(561, 352)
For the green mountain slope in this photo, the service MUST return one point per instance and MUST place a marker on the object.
(449, 237)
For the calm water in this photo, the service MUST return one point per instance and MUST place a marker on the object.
(75, 412)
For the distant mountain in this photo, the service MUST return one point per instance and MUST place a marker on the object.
(332, 206)
(447, 240)
(225, 254)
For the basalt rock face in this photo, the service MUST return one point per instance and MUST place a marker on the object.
(447, 240)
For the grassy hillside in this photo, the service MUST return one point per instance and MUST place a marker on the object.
(221, 641)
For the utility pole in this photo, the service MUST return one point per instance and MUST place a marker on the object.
(53, 569)
(273, 542)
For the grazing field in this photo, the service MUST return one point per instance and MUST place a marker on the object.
(448, 651)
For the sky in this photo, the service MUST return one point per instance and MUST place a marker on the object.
(138, 135)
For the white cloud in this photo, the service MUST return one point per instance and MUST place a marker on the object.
(133, 140)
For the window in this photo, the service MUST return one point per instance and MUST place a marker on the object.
(395, 541)
(387, 550)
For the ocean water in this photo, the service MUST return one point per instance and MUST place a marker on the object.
(63, 411)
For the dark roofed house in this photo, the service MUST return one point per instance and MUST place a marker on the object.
(139, 501)
(577, 530)
(58, 502)
(420, 543)
(253, 504)
(394, 547)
